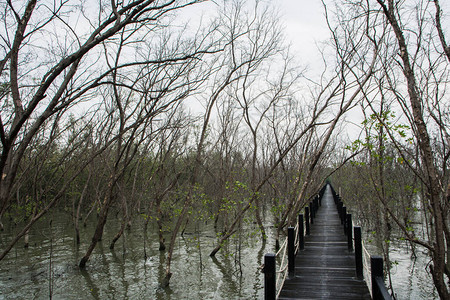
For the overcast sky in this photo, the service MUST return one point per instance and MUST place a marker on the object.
(305, 26)
(304, 22)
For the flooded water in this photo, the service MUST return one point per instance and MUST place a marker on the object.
(410, 275)
(49, 265)
(410, 278)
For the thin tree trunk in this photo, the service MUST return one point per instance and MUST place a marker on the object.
(123, 223)
(162, 245)
(100, 225)
(118, 235)
(26, 239)
(423, 138)
(77, 215)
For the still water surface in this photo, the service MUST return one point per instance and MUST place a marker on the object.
(124, 273)
(410, 274)
(50, 264)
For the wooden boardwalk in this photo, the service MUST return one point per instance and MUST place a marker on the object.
(325, 269)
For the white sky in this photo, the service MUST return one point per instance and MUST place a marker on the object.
(305, 29)
(305, 26)
(304, 23)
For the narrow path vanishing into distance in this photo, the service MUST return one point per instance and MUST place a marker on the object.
(325, 269)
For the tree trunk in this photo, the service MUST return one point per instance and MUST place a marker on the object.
(423, 138)
(26, 239)
(259, 220)
(162, 245)
(118, 235)
(100, 225)
(123, 223)
(77, 215)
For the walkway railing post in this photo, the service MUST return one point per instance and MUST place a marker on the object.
(319, 198)
(379, 290)
(349, 232)
(269, 277)
(339, 207)
(307, 220)
(376, 269)
(345, 223)
(301, 232)
(291, 250)
(343, 215)
(312, 212)
(358, 252)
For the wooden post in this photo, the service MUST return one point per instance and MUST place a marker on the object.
(320, 200)
(301, 232)
(349, 232)
(358, 252)
(343, 215)
(269, 277)
(345, 222)
(291, 250)
(376, 269)
(307, 220)
(311, 212)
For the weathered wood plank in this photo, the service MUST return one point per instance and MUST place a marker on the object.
(325, 269)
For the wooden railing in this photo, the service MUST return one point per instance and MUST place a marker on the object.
(295, 241)
(369, 268)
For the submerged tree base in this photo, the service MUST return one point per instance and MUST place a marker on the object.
(166, 281)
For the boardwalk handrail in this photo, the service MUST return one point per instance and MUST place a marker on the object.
(372, 265)
(274, 279)
(379, 290)
(282, 272)
(362, 257)
(273, 291)
(373, 274)
(367, 273)
(284, 264)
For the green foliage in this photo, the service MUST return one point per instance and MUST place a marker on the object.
(378, 126)
(278, 206)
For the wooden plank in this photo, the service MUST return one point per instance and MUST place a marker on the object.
(325, 269)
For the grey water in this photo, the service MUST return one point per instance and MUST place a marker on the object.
(410, 274)
(48, 267)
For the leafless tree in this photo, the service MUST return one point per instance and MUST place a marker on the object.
(52, 65)
(412, 72)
